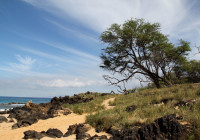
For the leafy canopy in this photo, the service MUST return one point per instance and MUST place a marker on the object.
(139, 47)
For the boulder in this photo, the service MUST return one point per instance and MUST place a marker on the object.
(3, 119)
(31, 134)
(54, 133)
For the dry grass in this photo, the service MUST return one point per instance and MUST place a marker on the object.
(149, 107)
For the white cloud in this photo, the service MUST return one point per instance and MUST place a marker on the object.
(46, 55)
(24, 63)
(99, 14)
(73, 31)
(71, 50)
(59, 83)
(175, 16)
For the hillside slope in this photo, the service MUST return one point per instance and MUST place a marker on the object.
(145, 106)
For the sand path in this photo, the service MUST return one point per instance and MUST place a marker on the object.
(106, 103)
(61, 122)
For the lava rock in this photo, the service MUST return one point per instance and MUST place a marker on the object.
(25, 122)
(185, 102)
(96, 137)
(163, 101)
(166, 100)
(4, 112)
(3, 119)
(104, 94)
(11, 120)
(70, 100)
(83, 136)
(131, 108)
(54, 133)
(71, 130)
(166, 127)
(77, 129)
(31, 134)
(82, 128)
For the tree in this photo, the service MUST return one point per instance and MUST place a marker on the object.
(139, 47)
(188, 71)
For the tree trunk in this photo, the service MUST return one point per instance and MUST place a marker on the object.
(156, 82)
(167, 82)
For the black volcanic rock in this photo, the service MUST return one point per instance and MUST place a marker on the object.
(76, 129)
(54, 133)
(30, 113)
(71, 130)
(3, 119)
(27, 115)
(185, 102)
(164, 128)
(25, 122)
(82, 128)
(96, 137)
(31, 134)
(83, 136)
(70, 100)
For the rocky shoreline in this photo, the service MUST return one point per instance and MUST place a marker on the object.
(13, 103)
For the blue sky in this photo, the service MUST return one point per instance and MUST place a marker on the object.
(52, 48)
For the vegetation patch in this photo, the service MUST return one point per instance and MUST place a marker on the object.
(146, 112)
(92, 106)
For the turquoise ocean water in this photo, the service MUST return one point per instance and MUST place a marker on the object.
(4, 101)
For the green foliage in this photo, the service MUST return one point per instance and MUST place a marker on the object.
(188, 71)
(139, 47)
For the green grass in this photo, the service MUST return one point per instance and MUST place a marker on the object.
(89, 107)
(146, 111)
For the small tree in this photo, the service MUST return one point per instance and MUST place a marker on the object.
(138, 47)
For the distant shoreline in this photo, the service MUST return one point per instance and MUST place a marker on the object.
(12, 103)
(25, 97)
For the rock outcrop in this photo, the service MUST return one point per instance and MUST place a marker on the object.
(70, 100)
(31, 113)
(164, 128)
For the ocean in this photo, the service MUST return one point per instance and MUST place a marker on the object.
(7, 103)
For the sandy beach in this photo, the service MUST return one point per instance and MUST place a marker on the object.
(61, 122)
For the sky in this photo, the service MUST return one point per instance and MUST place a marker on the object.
(51, 47)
